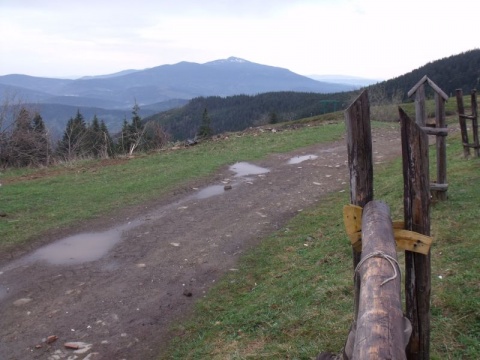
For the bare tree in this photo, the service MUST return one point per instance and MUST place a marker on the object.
(24, 139)
(155, 136)
(384, 106)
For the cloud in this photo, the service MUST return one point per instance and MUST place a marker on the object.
(369, 38)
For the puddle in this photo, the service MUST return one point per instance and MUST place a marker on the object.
(210, 191)
(245, 169)
(3, 292)
(79, 248)
(241, 169)
(300, 159)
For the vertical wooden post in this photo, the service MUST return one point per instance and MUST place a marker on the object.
(360, 162)
(417, 218)
(380, 325)
(476, 149)
(441, 143)
(420, 109)
(463, 122)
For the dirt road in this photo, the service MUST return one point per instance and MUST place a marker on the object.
(113, 286)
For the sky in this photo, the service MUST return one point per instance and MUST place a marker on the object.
(375, 39)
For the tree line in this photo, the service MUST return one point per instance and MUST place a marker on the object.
(238, 112)
(26, 141)
(460, 71)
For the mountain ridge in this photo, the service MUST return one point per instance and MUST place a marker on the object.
(183, 80)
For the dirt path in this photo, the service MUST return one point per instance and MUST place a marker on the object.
(157, 262)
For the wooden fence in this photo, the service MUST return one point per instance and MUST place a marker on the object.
(380, 330)
(439, 187)
(462, 118)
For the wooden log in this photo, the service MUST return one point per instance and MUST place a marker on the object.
(462, 122)
(416, 218)
(438, 187)
(360, 161)
(437, 90)
(420, 109)
(435, 131)
(476, 142)
(441, 146)
(466, 116)
(380, 324)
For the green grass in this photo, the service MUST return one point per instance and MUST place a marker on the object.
(37, 200)
(292, 296)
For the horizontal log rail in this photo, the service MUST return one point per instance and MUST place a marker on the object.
(382, 331)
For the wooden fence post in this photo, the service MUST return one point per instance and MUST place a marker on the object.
(360, 162)
(476, 143)
(441, 147)
(420, 108)
(381, 328)
(463, 122)
(462, 118)
(417, 218)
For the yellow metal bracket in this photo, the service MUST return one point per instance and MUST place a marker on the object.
(405, 239)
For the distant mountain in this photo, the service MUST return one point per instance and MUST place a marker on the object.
(357, 82)
(184, 80)
(120, 73)
(460, 71)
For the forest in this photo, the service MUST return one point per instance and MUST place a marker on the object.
(238, 112)
(460, 71)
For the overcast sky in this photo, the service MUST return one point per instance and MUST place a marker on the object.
(377, 39)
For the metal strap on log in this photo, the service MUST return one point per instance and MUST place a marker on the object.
(405, 239)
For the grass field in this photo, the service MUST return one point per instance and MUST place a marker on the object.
(292, 296)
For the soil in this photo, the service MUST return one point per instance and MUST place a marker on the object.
(58, 301)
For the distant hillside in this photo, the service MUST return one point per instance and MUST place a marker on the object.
(185, 80)
(460, 71)
(234, 113)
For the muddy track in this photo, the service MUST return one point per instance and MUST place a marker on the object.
(115, 295)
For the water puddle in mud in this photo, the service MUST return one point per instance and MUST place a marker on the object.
(210, 191)
(300, 159)
(79, 248)
(3, 292)
(241, 169)
(245, 169)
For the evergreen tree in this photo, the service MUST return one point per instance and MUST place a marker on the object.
(74, 142)
(205, 131)
(136, 131)
(273, 118)
(132, 136)
(41, 139)
(123, 143)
